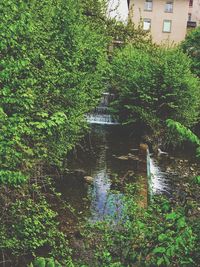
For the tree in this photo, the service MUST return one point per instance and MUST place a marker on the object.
(53, 64)
(191, 46)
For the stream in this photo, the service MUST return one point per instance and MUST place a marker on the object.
(106, 155)
(99, 158)
(103, 158)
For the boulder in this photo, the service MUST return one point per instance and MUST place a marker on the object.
(88, 179)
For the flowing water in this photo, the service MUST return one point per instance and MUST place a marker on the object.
(99, 158)
(100, 115)
(103, 157)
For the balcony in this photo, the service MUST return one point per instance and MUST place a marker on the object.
(191, 24)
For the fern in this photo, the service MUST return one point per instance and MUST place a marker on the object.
(185, 133)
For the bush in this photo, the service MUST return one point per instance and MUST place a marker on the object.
(153, 84)
(29, 226)
(191, 46)
(180, 134)
(159, 236)
(12, 178)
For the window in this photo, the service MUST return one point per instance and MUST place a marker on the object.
(169, 6)
(167, 25)
(146, 24)
(148, 5)
(189, 16)
(190, 3)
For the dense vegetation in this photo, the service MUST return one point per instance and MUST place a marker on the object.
(153, 84)
(54, 66)
(160, 236)
(191, 46)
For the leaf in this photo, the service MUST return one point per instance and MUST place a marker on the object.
(160, 261)
(162, 237)
(159, 250)
(171, 216)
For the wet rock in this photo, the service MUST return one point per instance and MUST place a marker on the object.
(143, 150)
(88, 179)
(133, 157)
(123, 157)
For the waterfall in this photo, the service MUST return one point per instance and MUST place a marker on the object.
(100, 114)
(158, 179)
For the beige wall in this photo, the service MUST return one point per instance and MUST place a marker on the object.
(195, 11)
(179, 19)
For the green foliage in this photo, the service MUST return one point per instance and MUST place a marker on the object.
(159, 236)
(53, 67)
(184, 134)
(12, 178)
(28, 226)
(191, 45)
(45, 262)
(197, 179)
(152, 84)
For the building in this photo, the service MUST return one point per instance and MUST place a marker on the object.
(167, 20)
(193, 13)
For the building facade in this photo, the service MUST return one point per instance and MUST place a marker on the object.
(167, 20)
(194, 13)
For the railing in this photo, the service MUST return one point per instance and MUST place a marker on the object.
(191, 24)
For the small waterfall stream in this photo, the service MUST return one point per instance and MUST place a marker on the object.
(161, 178)
(100, 114)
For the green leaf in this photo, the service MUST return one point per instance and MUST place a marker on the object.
(159, 250)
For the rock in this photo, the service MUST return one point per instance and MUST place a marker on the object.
(143, 150)
(133, 157)
(88, 179)
(122, 157)
(192, 169)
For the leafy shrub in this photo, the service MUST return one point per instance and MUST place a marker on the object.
(45, 262)
(184, 134)
(152, 84)
(28, 226)
(53, 67)
(191, 45)
(12, 178)
(159, 236)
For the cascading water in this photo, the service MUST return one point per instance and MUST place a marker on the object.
(100, 114)
(160, 179)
